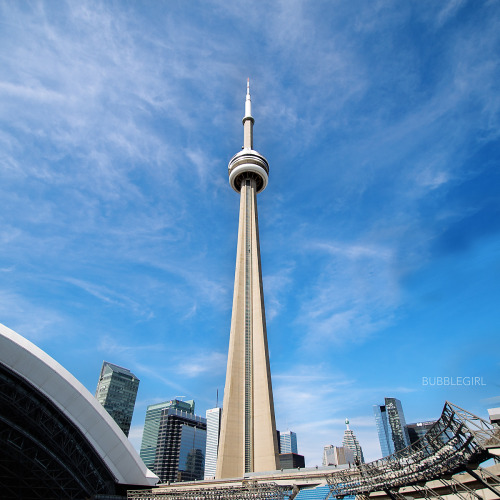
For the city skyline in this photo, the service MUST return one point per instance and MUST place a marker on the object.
(379, 228)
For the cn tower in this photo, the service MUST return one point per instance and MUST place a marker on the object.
(248, 441)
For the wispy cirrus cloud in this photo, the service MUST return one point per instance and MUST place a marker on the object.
(108, 343)
(276, 286)
(205, 363)
(355, 294)
(36, 322)
(108, 295)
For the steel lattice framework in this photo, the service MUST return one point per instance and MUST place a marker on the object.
(42, 452)
(250, 491)
(457, 442)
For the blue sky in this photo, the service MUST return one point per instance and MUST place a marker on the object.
(380, 227)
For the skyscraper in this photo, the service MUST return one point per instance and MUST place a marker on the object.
(213, 417)
(152, 427)
(180, 449)
(248, 440)
(391, 426)
(117, 391)
(288, 442)
(351, 442)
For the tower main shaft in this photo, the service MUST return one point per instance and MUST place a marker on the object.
(248, 440)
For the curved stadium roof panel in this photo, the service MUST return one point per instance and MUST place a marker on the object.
(36, 370)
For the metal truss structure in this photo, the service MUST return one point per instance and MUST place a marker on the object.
(458, 442)
(248, 491)
(42, 454)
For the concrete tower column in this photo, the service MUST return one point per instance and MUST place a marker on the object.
(248, 441)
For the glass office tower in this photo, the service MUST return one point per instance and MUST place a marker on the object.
(391, 426)
(174, 441)
(152, 427)
(180, 450)
(117, 391)
(288, 442)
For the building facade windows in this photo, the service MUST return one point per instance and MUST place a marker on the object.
(351, 442)
(174, 441)
(288, 442)
(117, 391)
(213, 417)
(391, 426)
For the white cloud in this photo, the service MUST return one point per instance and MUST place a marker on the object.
(135, 436)
(110, 344)
(31, 320)
(276, 286)
(210, 363)
(355, 294)
(161, 373)
(448, 10)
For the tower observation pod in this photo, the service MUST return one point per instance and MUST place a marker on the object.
(248, 441)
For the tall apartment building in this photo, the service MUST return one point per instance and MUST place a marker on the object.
(351, 442)
(117, 391)
(213, 417)
(391, 426)
(174, 441)
(288, 442)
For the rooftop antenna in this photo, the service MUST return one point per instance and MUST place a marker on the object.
(217, 400)
(248, 121)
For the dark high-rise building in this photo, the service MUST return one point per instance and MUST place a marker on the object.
(292, 461)
(152, 426)
(391, 426)
(174, 441)
(117, 391)
(180, 450)
(418, 430)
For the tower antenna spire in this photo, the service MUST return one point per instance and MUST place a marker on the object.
(248, 121)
